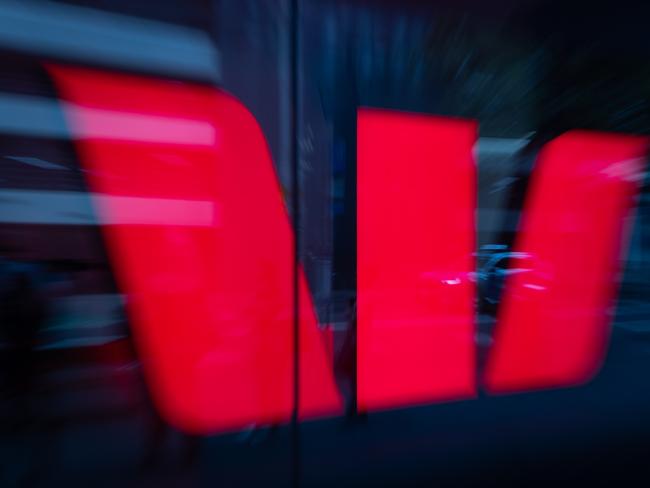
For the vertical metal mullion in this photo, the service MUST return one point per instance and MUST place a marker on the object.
(295, 203)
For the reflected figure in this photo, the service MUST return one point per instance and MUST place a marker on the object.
(347, 363)
(24, 311)
(159, 434)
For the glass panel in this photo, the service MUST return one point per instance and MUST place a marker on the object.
(557, 273)
(147, 252)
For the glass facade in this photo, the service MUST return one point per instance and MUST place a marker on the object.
(324, 242)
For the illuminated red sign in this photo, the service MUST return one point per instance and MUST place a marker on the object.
(416, 235)
(209, 286)
(202, 244)
(416, 187)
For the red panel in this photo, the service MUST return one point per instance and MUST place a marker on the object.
(415, 210)
(553, 324)
(202, 245)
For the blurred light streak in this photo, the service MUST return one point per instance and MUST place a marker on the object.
(500, 145)
(74, 208)
(43, 117)
(90, 35)
(109, 124)
(37, 162)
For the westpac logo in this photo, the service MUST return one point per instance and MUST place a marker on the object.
(208, 265)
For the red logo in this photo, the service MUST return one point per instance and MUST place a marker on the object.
(201, 242)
